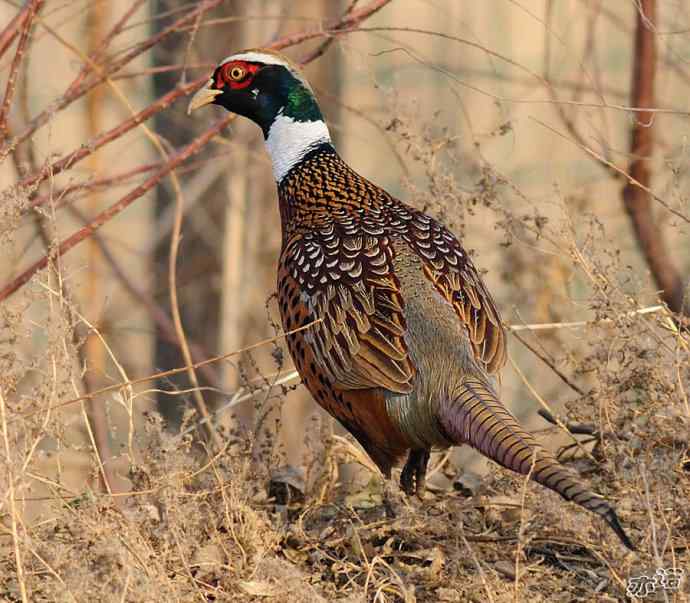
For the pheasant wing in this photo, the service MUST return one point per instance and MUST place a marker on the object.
(451, 271)
(345, 284)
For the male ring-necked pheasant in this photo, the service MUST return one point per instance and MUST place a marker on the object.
(406, 332)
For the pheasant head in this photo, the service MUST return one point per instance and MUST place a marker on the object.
(270, 90)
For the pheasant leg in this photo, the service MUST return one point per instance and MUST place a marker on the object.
(388, 497)
(413, 476)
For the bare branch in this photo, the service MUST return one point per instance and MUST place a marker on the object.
(349, 20)
(97, 53)
(65, 195)
(33, 7)
(67, 99)
(108, 214)
(636, 200)
(12, 28)
(72, 158)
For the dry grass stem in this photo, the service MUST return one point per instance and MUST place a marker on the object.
(149, 408)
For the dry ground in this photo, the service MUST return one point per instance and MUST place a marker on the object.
(195, 526)
(201, 529)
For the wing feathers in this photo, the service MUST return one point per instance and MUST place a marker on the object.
(351, 286)
(360, 342)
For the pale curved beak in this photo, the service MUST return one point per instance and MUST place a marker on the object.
(203, 96)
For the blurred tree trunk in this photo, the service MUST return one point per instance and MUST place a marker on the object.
(95, 353)
(197, 259)
(249, 209)
(250, 252)
(637, 200)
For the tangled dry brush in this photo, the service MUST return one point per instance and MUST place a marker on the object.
(178, 513)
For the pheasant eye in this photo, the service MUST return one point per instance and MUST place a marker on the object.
(237, 73)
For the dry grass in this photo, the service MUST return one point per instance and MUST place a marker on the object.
(182, 522)
(194, 529)
(199, 527)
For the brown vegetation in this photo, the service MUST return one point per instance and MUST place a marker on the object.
(103, 500)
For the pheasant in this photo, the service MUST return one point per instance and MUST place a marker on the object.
(400, 334)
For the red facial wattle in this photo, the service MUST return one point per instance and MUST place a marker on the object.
(223, 77)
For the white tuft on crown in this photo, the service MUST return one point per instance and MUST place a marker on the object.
(255, 56)
(269, 58)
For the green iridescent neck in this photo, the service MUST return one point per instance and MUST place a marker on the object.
(301, 104)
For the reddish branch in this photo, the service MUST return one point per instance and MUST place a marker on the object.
(348, 21)
(350, 18)
(31, 8)
(94, 56)
(12, 29)
(110, 70)
(72, 158)
(66, 195)
(636, 199)
(108, 214)
(60, 197)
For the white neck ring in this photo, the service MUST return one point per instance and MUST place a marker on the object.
(289, 141)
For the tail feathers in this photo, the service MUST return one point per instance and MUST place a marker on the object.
(612, 519)
(550, 473)
(476, 417)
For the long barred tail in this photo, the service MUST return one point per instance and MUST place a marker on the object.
(478, 418)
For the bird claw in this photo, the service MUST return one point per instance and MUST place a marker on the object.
(287, 486)
(388, 508)
(413, 476)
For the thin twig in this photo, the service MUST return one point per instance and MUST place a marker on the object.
(34, 6)
(239, 397)
(14, 512)
(549, 363)
(344, 24)
(69, 160)
(521, 529)
(98, 51)
(106, 215)
(488, 51)
(65, 100)
(177, 317)
(324, 46)
(476, 562)
(8, 34)
(628, 177)
(168, 373)
(62, 196)
(544, 326)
